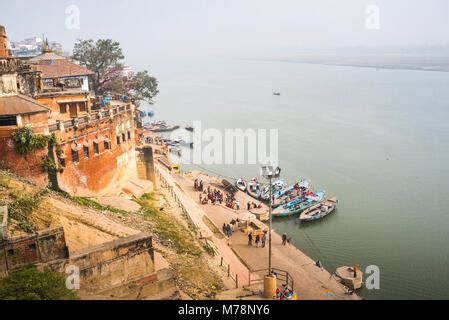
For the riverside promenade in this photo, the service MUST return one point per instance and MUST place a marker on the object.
(311, 282)
(237, 270)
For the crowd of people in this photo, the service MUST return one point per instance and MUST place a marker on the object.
(260, 239)
(229, 228)
(198, 185)
(214, 196)
(253, 205)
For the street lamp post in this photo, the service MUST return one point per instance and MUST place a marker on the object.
(269, 224)
(269, 172)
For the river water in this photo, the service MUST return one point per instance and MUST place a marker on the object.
(377, 139)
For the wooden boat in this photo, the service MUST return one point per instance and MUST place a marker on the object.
(276, 93)
(297, 205)
(241, 184)
(286, 211)
(319, 211)
(176, 150)
(164, 129)
(303, 184)
(189, 128)
(277, 185)
(283, 192)
(286, 198)
(254, 189)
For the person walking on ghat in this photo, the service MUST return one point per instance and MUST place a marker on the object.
(201, 198)
(257, 240)
(284, 239)
(248, 206)
(264, 239)
(250, 239)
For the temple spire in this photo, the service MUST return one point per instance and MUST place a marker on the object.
(46, 48)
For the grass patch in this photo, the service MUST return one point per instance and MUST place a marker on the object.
(212, 227)
(21, 208)
(83, 201)
(209, 249)
(166, 228)
(5, 178)
(30, 284)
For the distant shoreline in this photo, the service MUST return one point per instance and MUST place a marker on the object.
(386, 67)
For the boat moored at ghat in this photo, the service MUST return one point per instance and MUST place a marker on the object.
(241, 184)
(254, 189)
(320, 210)
(298, 205)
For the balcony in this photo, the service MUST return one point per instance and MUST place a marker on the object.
(96, 115)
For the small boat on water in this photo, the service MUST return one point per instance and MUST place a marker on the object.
(277, 185)
(241, 184)
(160, 126)
(189, 128)
(297, 205)
(254, 189)
(276, 93)
(302, 185)
(319, 211)
(283, 211)
(175, 149)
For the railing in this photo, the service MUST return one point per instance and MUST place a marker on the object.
(282, 275)
(53, 127)
(223, 264)
(94, 116)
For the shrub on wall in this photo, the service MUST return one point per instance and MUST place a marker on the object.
(26, 141)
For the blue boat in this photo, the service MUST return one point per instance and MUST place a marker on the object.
(297, 205)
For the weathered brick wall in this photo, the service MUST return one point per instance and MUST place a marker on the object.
(29, 166)
(145, 164)
(113, 263)
(104, 170)
(45, 246)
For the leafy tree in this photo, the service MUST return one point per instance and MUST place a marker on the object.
(30, 284)
(104, 58)
(100, 57)
(144, 87)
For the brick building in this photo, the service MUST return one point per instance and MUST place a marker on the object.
(96, 135)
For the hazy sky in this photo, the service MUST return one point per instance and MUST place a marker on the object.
(237, 28)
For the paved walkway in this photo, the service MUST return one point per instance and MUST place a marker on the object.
(196, 214)
(311, 282)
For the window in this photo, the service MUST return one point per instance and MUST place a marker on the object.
(82, 107)
(10, 252)
(75, 157)
(63, 108)
(8, 121)
(107, 145)
(96, 149)
(129, 135)
(32, 246)
(86, 151)
(118, 139)
(123, 137)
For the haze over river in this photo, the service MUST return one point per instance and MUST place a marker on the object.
(377, 139)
